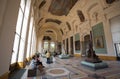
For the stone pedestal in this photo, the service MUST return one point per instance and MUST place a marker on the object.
(64, 56)
(94, 66)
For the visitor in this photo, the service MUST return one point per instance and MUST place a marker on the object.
(33, 63)
(48, 57)
(38, 62)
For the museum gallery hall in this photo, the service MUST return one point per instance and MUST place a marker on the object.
(71, 39)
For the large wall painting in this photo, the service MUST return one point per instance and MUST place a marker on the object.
(99, 41)
(77, 43)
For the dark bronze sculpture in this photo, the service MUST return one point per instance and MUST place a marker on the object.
(91, 56)
(92, 61)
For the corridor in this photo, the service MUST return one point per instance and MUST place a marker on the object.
(80, 33)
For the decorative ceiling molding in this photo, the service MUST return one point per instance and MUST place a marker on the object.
(61, 7)
(42, 4)
(46, 38)
(95, 4)
(87, 38)
(81, 16)
(62, 31)
(49, 31)
(40, 20)
(95, 16)
(53, 20)
(68, 24)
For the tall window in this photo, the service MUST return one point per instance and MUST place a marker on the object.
(24, 32)
(21, 29)
(33, 42)
(29, 38)
(52, 46)
(17, 33)
(46, 44)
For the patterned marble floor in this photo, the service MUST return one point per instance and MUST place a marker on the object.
(76, 70)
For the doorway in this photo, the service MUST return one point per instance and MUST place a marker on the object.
(71, 46)
(59, 48)
(67, 46)
(85, 44)
(115, 30)
(117, 50)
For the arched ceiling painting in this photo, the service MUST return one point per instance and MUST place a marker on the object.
(61, 7)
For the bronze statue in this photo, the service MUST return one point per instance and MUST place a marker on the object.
(91, 56)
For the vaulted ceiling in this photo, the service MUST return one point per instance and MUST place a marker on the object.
(50, 14)
(61, 16)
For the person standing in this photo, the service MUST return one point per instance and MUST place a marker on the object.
(48, 57)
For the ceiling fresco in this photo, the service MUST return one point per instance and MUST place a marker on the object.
(42, 4)
(61, 7)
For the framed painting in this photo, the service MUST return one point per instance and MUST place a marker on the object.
(77, 45)
(99, 42)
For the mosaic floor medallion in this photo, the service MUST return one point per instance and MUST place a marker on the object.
(57, 72)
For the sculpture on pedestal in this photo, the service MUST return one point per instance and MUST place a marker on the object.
(92, 60)
(91, 56)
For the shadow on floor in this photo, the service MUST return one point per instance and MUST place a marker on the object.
(17, 74)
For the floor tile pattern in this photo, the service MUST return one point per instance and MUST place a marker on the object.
(78, 71)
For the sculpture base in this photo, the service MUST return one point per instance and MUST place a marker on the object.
(64, 56)
(95, 66)
(92, 60)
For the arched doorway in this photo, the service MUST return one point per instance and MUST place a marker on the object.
(85, 44)
(71, 46)
(67, 48)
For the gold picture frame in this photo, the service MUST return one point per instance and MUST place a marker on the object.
(99, 43)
